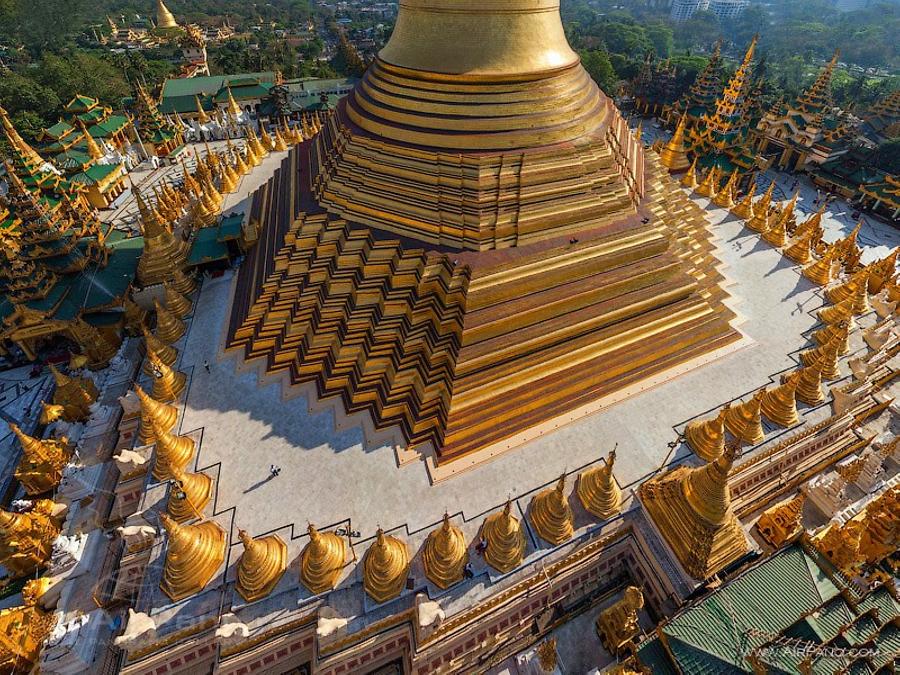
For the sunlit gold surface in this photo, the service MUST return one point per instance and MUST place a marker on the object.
(26, 539)
(827, 357)
(42, 462)
(618, 624)
(189, 495)
(194, 554)
(779, 404)
(445, 554)
(385, 567)
(707, 437)
(172, 453)
(505, 539)
(551, 514)
(23, 630)
(743, 420)
(322, 560)
(154, 413)
(169, 328)
(175, 302)
(782, 522)
(598, 491)
(261, 566)
(74, 394)
(167, 383)
(165, 353)
(809, 386)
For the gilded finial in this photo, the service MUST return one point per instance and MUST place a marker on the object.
(172, 453)
(598, 491)
(322, 560)
(551, 514)
(504, 539)
(165, 353)
(153, 414)
(261, 566)
(193, 556)
(707, 437)
(743, 421)
(385, 567)
(445, 554)
(779, 404)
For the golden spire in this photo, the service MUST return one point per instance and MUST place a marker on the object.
(856, 289)
(706, 487)
(17, 143)
(725, 197)
(75, 395)
(551, 514)
(707, 437)
(164, 254)
(674, 154)
(882, 271)
(842, 311)
(230, 178)
(828, 333)
(166, 353)
(445, 554)
(689, 179)
(799, 251)
(26, 539)
(23, 630)
(743, 420)
(322, 560)
(233, 108)
(202, 117)
(776, 235)
(783, 521)
(759, 222)
(265, 138)
(239, 164)
(175, 302)
(505, 540)
(827, 356)
(598, 491)
(744, 208)
(93, 149)
(821, 271)
(385, 567)
(169, 328)
(167, 383)
(50, 412)
(710, 182)
(193, 556)
(189, 495)
(42, 462)
(279, 145)
(164, 18)
(809, 385)
(251, 157)
(779, 405)
(190, 183)
(253, 141)
(153, 414)
(172, 453)
(261, 566)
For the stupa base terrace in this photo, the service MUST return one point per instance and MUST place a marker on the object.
(460, 355)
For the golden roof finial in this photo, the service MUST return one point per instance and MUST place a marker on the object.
(175, 302)
(385, 567)
(505, 540)
(193, 556)
(154, 414)
(744, 208)
(445, 554)
(551, 514)
(322, 560)
(707, 437)
(598, 491)
(202, 117)
(169, 328)
(172, 453)
(743, 420)
(166, 353)
(167, 383)
(779, 405)
(189, 494)
(689, 179)
(94, 150)
(261, 566)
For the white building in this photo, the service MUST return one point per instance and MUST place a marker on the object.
(682, 10)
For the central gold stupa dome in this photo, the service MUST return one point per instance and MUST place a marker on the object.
(475, 247)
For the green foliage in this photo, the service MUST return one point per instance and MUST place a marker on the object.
(599, 67)
(887, 157)
(82, 73)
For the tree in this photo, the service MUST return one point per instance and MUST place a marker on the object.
(662, 38)
(599, 67)
(82, 73)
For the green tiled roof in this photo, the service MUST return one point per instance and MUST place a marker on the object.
(109, 126)
(81, 103)
(59, 129)
(178, 95)
(653, 656)
(72, 159)
(207, 247)
(887, 646)
(92, 116)
(230, 227)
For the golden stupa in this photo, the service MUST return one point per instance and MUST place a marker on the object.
(842, 311)
(175, 302)
(193, 556)
(799, 251)
(822, 271)
(505, 539)
(692, 509)
(167, 383)
(855, 288)
(809, 386)
(551, 514)
(261, 566)
(689, 179)
(322, 560)
(673, 155)
(385, 567)
(43, 460)
(826, 356)
(725, 197)
(165, 353)
(23, 630)
(779, 404)
(445, 554)
(707, 436)
(744, 208)
(598, 491)
(75, 394)
(164, 18)
(172, 453)
(154, 414)
(169, 328)
(26, 539)
(50, 412)
(544, 257)
(744, 421)
(189, 495)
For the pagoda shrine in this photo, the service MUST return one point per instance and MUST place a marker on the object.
(654, 87)
(506, 247)
(700, 99)
(159, 136)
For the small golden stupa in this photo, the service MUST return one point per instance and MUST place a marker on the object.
(827, 355)
(175, 302)
(154, 414)
(776, 235)
(692, 509)
(779, 404)
(744, 208)
(322, 560)
(809, 385)
(189, 495)
(825, 335)
(135, 317)
(707, 187)
(842, 311)
(167, 383)
(193, 556)
(673, 155)
(799, 251)
(75, 394)
(279, 143)
(822, 271)
(261, 566)
(725, 197)
(169, 328)
(551, 514)
(689, 179)
(172, 452)
(445, 554)
(385, 567)
(42, 463)
(598, 491)
(743, 420)
(882, 271)
(165, 353)
(505, 539)
(707, 437)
